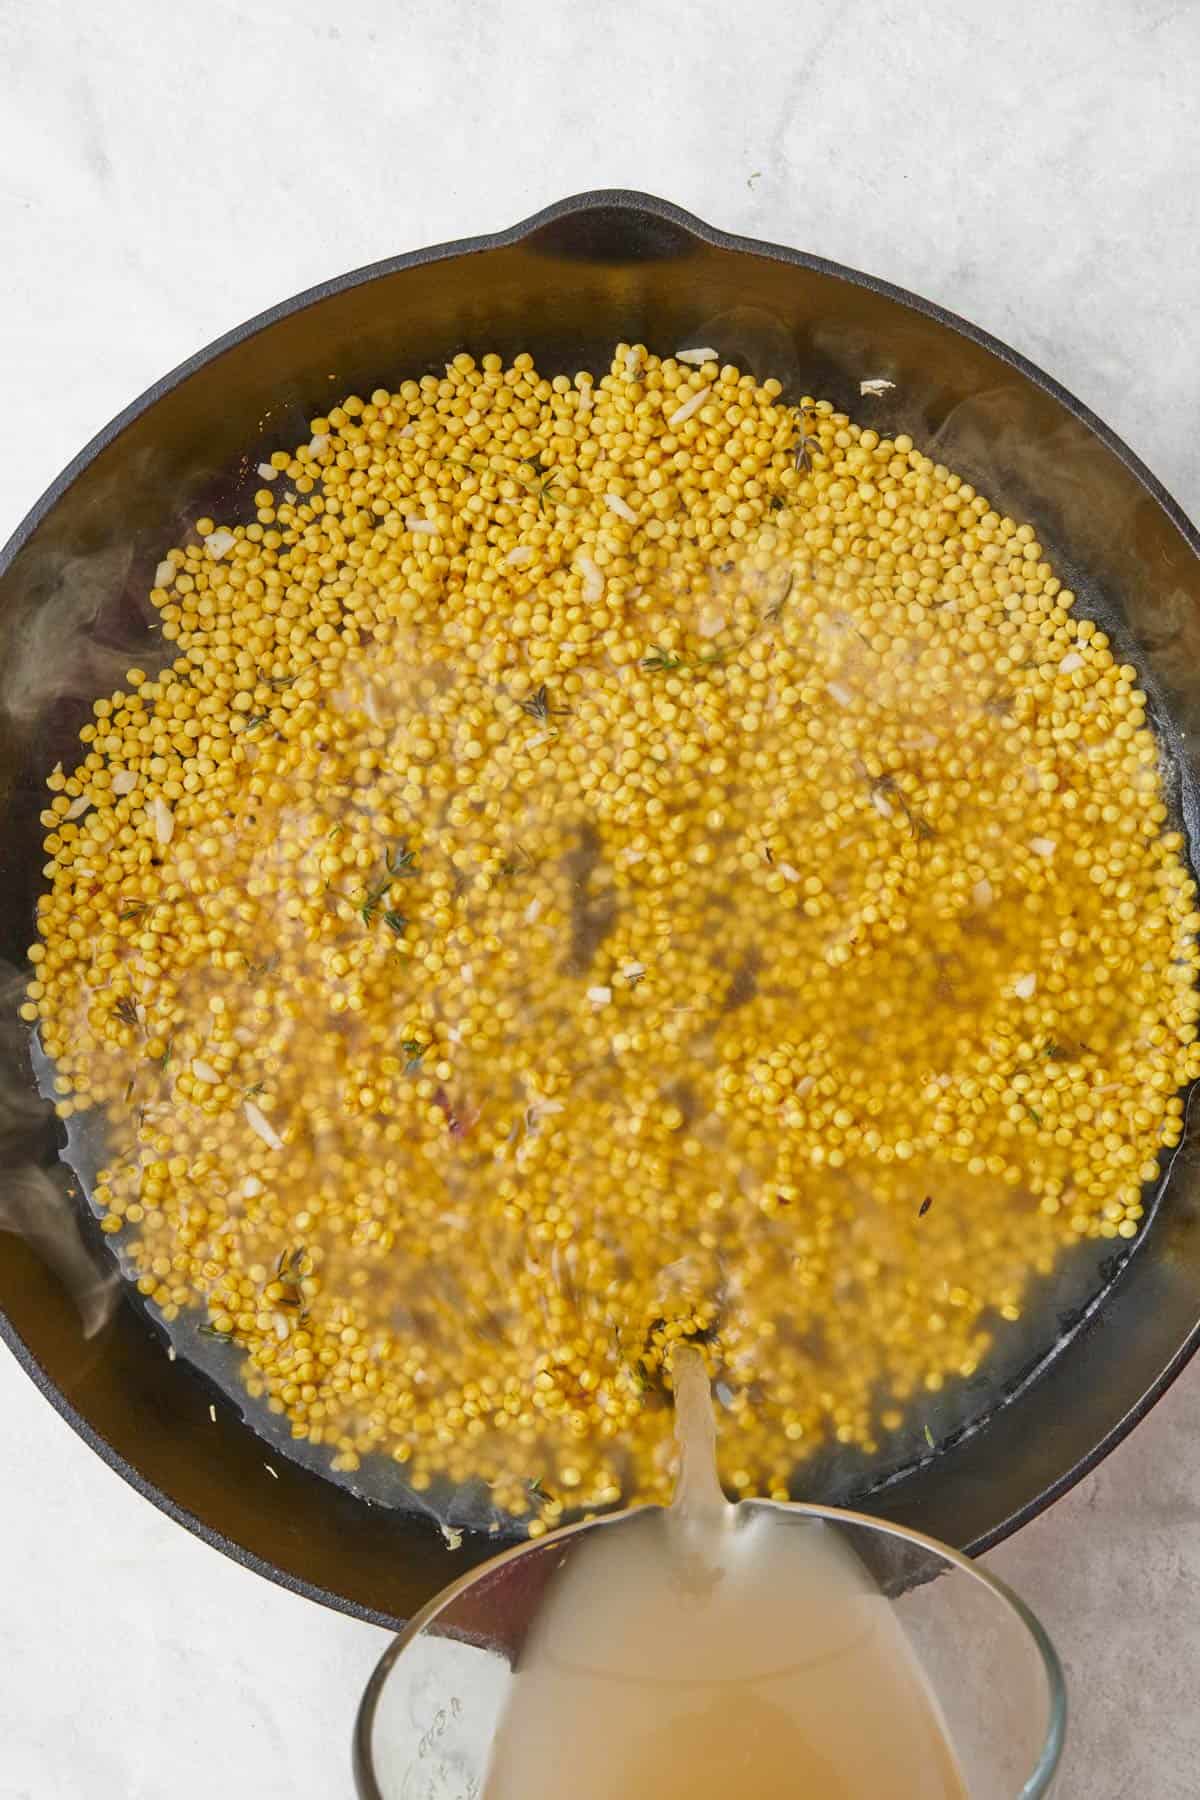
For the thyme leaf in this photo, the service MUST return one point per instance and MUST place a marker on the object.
(658, 661)
(776, 607)
(538, 705)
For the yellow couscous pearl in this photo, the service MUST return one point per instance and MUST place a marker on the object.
(613, 861)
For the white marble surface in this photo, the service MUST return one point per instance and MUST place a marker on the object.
(167, 170)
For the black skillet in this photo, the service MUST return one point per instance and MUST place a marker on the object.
(566, 285)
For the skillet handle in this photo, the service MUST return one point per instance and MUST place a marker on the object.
(613, 226)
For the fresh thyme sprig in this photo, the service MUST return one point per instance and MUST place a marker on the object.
(543, 483)
(918, 824)
(804, 448)
(519, 863)
(538, 706)
(398, 865)
(658, 661)
(290, 1268)
(402, 866)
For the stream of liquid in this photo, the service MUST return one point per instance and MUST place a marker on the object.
(714, 1653)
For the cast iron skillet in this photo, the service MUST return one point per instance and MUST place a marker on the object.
(566, 285)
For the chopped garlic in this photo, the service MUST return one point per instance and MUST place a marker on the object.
(621, 507)
(452, 1535)
(882, 805)
(683, 413)
(839, 692)
(204, 1071)
(1043, 846)
(586, 399)
(78, 806)
(268, 472)
(519, 555)
(541, 1109)
(696, 357)
(319, 444)
(124, 781)
(420, 527)
(876, 385)
(281, 1327)
(1071, 661)
(633, 360)
(788, 872)
(533, 912)
(982, 893)
(633, 971)
(164, 819)
(252, 1187)
(1025, 987)
(219, 543)
(599, 996)
(259, 1123)
(164, 575)
(593, 580)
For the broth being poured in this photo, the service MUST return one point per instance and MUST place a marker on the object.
(713, 1651)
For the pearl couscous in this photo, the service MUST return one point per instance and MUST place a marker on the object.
(613, 861)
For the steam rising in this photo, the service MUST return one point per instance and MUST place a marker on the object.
(91, 620)
(36, 1202)
(35, 1206)
(77, 640)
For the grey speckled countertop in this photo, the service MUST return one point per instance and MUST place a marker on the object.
(166, 171)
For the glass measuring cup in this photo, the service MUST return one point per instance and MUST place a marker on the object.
(435, 1702)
